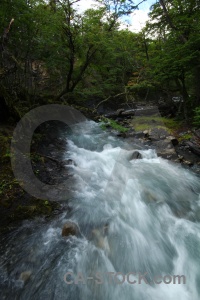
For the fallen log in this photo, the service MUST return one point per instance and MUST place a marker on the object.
(120, 114)
(146, 111)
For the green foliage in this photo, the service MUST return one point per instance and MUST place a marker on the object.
(7, 185)
(196, 121)
(52, 51)
(106, 123)
(177, 47)
(141, 123)
(57, 49)
(186, 136)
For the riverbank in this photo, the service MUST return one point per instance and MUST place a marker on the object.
(46, 154)
(172, 139)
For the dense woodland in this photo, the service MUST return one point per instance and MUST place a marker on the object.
(52, 53)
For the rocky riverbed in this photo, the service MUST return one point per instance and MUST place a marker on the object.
(173, 140)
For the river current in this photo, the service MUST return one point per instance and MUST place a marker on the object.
(139, 229)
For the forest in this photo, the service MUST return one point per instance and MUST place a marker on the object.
(51, 52)
(99, 150)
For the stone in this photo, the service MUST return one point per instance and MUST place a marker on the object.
(146, 133)
(119, 111)
(167, 153)
(138, 134)
(173, 140)
(162, 137)
(100, 240)
(122, 134)
(136, 155)
(70, 162)
(105, 229)
(70, 228)
(188, 163)
(25, 276)
(194, 148)
(180, 158)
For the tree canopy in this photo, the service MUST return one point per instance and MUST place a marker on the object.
(52, 52)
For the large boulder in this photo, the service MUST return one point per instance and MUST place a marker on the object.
(165, 149)
(157, 134)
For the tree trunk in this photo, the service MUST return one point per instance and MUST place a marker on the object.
(197, 85)
(183, 90)
(169, 20)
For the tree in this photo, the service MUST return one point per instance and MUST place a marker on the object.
(174, 51)
(81, 32)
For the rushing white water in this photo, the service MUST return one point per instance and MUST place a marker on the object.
(140, 216)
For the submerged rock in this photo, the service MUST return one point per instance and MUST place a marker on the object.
(100, 240)
(105, 229)
(25, 276)
(70, 162)
(70, 228)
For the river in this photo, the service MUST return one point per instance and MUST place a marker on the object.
(139, 229)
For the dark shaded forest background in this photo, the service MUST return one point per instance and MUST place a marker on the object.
(50, 53)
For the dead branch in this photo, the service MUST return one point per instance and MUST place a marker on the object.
(5, 34)
(110, 97)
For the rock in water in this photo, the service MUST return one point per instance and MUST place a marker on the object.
(100, 240)
(136, 155)
(70, 228)
(24, 276)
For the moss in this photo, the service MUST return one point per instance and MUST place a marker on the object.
(103, 126)
(141, 123)
(37, 207)
(113, 124)
(196, 120)
(186, 136)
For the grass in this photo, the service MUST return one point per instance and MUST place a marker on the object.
(7, 185)
(141, 123)
(113, 124)
(186, 136)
